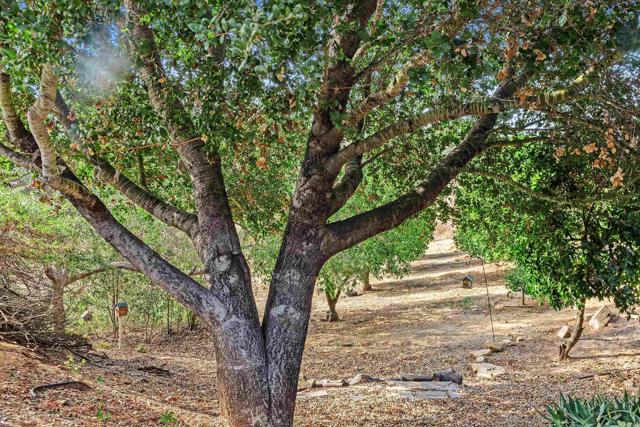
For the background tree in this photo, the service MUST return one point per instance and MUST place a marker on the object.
(205, 89)
(559, 205)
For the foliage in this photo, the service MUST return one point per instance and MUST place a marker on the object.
(52, 233)
(278, 98)
(168, 419)
(558, 205)
(597, 411)
(386, 254)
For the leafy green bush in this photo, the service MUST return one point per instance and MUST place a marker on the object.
(600, 411)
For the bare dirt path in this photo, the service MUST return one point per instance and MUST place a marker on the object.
(423, 323)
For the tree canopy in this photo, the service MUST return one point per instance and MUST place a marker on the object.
(269, 115)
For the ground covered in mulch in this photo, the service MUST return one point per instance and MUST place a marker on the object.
(418, 325)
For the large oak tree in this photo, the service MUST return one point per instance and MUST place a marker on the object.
(168, 99)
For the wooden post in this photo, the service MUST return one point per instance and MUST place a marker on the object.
(120, 329)
(121, 309)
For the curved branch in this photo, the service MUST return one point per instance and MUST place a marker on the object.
(576, 201)
(19, 158)
(519, 142)
(119, 265)
(36, 116)
(397, 85)
(51, 173)
(18, 134)
(141, 256)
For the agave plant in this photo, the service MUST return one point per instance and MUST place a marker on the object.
(599, 411)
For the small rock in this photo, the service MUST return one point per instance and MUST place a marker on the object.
(564, 332)
(448, 375)
(487, 370)
(600, 318)
(353, 294)
(519, 339)
(480, 359)
(481, 352)
(494, 347)
(506, 342)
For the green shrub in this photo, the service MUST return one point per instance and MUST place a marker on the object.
(600, 411)
(168, 418)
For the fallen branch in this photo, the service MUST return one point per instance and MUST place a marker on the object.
(155, 370)
(617, 371)
(78, 385)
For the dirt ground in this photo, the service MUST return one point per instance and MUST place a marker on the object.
(423, 323)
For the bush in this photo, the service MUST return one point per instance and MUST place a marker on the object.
(599, 411)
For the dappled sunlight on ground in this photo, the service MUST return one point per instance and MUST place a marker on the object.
(423, 323)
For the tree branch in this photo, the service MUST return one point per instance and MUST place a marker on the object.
(121, 265)
(338, 75)
(576, 201)
(346, 233)
(165, 212)
(140, 255)
(214, 214)
(518, 142)
(37, 114)
(478, 108)
(18, 134)
(19, 158)
(380, 98)
(349, 183)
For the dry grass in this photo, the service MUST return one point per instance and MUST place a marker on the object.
(421, 324)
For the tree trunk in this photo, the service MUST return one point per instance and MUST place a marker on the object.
(366, 282)
(286, 317)
(59, 278)
(243, 389)
(567, 345)
(332, 315)
(57, 306)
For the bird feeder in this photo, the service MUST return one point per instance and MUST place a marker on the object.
(121, 309)
(467, 282)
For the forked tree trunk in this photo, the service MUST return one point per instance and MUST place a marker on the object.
(366, 282)
(59, 278)
(576, 333)
(332, 315)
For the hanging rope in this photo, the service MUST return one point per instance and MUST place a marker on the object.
(486, 285)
